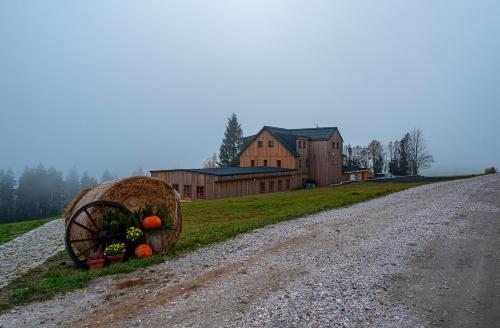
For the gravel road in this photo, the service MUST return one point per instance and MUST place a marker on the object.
(428, 256)
(30, 250)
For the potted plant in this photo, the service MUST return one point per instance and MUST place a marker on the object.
(134, 235)
(115, 253)
(95, 261)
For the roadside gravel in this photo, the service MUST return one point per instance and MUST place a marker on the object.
(333, 269)
(30, 250)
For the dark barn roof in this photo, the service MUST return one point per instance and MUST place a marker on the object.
(227, 171)
(288, 137)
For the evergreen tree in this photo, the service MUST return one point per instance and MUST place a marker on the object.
(55, 191)
(106, 176)
(394, 160)
(71, 185)
(404, 155)
(231, 144)
(7, 195)
(87, 182)
(32, 197)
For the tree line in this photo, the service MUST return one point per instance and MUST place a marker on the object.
(405, 156)
(43, 192)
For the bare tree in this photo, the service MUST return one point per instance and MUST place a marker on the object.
(419, 156)
(210, 162)
(376, 155)
(360, 156)
(348, 159)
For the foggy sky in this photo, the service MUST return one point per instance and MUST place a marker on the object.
(123, 84)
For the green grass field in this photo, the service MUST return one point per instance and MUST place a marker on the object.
(205, 222)
(9, 231)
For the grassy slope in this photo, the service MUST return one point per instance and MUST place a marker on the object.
(9, 231)
(204, 223)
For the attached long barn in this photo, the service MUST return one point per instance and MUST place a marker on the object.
(212, 183)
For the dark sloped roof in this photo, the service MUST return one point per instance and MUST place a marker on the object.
(354, 168)
(225, 171)
(288, 137)
(247, 141)
(310, 133)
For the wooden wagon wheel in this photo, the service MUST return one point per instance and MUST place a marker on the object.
(92, 236)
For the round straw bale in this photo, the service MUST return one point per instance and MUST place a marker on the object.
(135, 193)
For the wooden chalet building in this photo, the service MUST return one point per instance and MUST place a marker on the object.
(356, 173)
(274, 159)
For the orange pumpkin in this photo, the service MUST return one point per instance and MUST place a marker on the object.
(151, 222)
(143, 250)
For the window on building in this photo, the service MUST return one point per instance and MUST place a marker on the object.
(200, 192)
(260, 143)
(300, 144)
(262, 187)
(287, 184)
(265, 162)
(280, 185)
(278, 163)
(252, 163)
(303, 144)
(270, 143)
(271, 186)
(176, 187)
(338, 143)
(187, 191)
(307, 162)
(300, 163)
(333, 144)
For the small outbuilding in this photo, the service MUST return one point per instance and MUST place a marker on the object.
(356, 173)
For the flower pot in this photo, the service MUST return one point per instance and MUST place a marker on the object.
(116, 258)
(95, 264)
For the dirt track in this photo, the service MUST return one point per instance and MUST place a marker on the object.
(429, 256)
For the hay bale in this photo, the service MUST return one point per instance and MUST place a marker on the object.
(490, 170)
(135, 193)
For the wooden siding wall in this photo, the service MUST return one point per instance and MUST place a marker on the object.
(229, 186)
(325, 169)
(184, 178)
(234, 188)
(271, 154)
(303, 162)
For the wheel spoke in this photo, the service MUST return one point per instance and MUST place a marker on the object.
(91, 220)
(88, 249)
(84, 227)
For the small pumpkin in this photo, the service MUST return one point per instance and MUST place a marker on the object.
(151, 222)
(143, 250)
